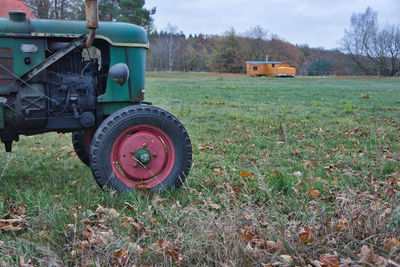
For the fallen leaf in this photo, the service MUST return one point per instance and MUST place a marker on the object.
(287, 258)
(110, 212)
(129, 222)
(97, 236)
(305, 235)
(392, 244)
(24, 263)
(218, 171)
(73, 154)
(214, 206)
(205, 147)
(329, 260)
(142, 187)
(313, 193)
(170, 249)
(343, 224)
(13, 224)
(130, 206)
(368, 255)
(248, 233)
(120, 257)
(296, 153)
(274, 246)
(245, 174)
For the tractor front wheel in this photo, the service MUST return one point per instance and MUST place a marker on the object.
(140, 147)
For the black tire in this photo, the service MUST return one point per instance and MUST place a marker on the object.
(126, 124)
(81, 146)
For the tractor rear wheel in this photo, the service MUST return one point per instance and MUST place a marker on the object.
(140, 147)
(81, 141)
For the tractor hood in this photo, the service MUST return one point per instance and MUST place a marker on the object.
(116, 33)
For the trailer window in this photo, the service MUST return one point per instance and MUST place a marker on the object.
(273, 65)
(255, 68)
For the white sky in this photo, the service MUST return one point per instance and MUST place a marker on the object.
(318, 23)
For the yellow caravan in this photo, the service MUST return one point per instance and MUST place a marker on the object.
(270, 68)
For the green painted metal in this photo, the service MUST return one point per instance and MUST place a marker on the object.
(19, 57)
(114, 32)
(1, 118)
(110, 107)
(135, 58)
(116, 92)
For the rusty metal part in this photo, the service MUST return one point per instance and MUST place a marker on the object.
(90, 39)
(92, 20)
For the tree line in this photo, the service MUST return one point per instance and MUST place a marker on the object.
(171, 50)
(367, 47)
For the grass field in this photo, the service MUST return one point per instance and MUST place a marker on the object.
(286, 172)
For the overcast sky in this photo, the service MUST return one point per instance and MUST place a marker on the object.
(318, 23)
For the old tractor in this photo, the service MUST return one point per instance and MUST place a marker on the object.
(59, 76)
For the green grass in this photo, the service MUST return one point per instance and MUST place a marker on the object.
(289, 135)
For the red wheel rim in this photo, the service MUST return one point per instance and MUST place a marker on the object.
(142, 139)
(89, 136)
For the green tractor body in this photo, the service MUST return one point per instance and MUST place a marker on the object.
(52, 78)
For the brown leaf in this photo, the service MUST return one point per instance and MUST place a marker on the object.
(313, 193)
(274, 246)
(205, 147)
(392, 244)
(24, 263)
(214, 206)
(18, 211)
(109, 212)
(296, 153)
(343, 224)
(171, 249)
(245, 174)
(120, 257)
(248, 233)
(218, 171)
(135, 247)
(305, 235)
(142, 187)
(368, 255)
(130, 206)
(13, 224)
(287, 258)
(73, 154)
(328, 260)
(129, 222)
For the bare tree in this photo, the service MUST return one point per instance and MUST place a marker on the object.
(57, 9)
(255, 46)
(171, 31)
(373, 49)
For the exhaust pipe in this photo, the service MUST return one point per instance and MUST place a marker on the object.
(92, 20)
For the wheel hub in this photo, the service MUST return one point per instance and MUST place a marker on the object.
(143, 155)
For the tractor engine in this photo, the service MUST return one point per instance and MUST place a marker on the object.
(66, 99)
